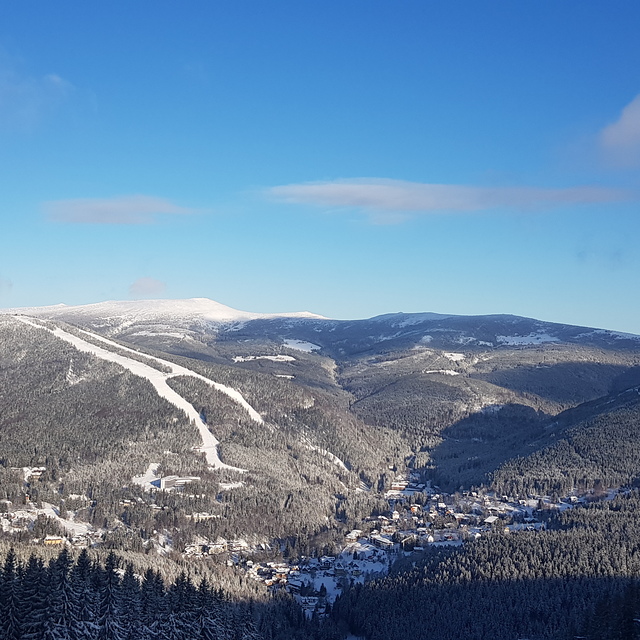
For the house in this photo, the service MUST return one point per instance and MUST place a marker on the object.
(491, 519)
(294, 585)
(53, 540)
(326, 562)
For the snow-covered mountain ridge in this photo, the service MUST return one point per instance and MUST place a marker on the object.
(202, 309)
(157, 323)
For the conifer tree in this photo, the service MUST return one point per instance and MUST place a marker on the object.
(10, 584)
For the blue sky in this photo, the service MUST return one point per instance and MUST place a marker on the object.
(349, 158)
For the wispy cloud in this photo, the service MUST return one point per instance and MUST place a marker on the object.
(26, 99)
(621, 139)
(388, 201)
(146, 287)
(136, 209)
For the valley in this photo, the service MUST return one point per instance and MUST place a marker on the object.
(301, 457)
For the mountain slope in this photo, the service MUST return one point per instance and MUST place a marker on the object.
(452, 397)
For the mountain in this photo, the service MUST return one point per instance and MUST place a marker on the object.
(447, 384)
(276, 434)
(308, 418)
(141, 320)
(115, 316)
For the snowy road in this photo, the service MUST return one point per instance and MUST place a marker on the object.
(159, 381)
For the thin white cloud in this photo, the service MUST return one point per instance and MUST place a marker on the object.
(621, 139)
(136, 209)
(394, 200)
(146, 287)
(25, 99)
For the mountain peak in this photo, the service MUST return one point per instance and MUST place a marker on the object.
(201, 309)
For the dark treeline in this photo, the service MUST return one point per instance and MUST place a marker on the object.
(548, 584)
(82, 600)
(86, 600)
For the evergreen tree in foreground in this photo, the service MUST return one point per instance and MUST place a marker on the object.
(86, 601)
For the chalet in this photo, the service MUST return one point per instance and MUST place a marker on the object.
(294, 585)
(354, 535)
(81, 541)
(326, 562)
(51, 541)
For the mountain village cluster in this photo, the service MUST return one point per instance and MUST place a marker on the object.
(419, 516)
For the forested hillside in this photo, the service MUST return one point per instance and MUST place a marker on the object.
(596, 446)
(549, 584)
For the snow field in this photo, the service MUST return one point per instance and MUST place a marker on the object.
(301, 345)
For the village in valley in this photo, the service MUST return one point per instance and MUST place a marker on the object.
(419, 516)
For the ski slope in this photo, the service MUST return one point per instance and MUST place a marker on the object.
(159, 381)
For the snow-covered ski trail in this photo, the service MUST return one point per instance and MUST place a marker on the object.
(177, 370)
(159, 381)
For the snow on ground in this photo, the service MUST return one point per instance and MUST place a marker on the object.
(454, 357)
(159, 381)
(177, 370)
(226, 486)
(618, 335)
(128, 312)
(369, 562)
(74, 528)
(446, 372)
(170, 334)
(284, 375)
(326, 454)
(301, 345)
(492, 408)
(532, 338)
(149, 476)
(279, 358)
(409, 319)
(29, 513)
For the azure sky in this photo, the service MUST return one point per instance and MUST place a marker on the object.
(349, 158)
